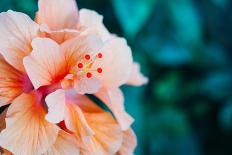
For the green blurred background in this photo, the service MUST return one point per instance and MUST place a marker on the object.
(184, 47)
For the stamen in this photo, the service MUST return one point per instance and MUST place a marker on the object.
(87, 56)
(80, 65)
(99, 70)
(85, 68)
(99, 55)
(89, 75)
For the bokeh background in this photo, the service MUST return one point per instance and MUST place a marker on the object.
(184, 47)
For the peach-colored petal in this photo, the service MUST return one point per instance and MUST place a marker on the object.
(92, 22)
(65, 144)
(82, 101)
(129, 143)
(17, 30)
(87, 85)
(76, 122)
(58, 14)
(12, 83)
(76, 48)
(27, 132)
(71, 113)
(58, 100)
(136, 77)
(108, 135)
(75, 51)
(46, 64)
(3, 126)
(56, 103)
(114, 99)
(95, 129)
(59, 36)
(116, 63)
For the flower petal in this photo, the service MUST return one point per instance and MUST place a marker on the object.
(129, 143)
(21, 137)
(71, 113)
(76, 48)
(58, 14)
(56, 103)
(12, 83)
(114, 99)
(76, 122)
(17, 30)
(87, 85)
(116, 63)
(59, 36)
(65, 144)
(136, 77)
(46, 64)
(3, 126)
(108, 135)
(86, 120)
(93, 23)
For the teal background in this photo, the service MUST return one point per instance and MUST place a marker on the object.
(184, 47)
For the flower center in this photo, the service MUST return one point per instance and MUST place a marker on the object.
(85, 68)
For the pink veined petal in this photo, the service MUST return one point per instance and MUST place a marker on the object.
(92, 23)
(58, 100)
(76, 122)
(66, 144)
(116, 63)
(97, 130)
(86, 85)
(108, 135)
(17, 30)
(56, 103)
(76, 48)
(71, 113)
(46, 64)
(59, 36)
(3, 126)
(27, 132)
(129, 143)
(12, 83)
(136, 77)
(58, 14)
(114, 99)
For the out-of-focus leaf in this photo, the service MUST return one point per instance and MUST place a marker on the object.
(221, 3)
(225, 116)
(167, 90)
(172, 55)
(170, 121)
(186, 22)
(217, 85)
(136, 108)
(213, 55)
(132, 14)
(200, 108)
(170, 134)
(5, 5)
(167, 145)
(27, 6)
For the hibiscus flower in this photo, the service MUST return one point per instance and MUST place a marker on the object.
(48, 66)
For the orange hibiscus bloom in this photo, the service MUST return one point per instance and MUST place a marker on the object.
(47, 68)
